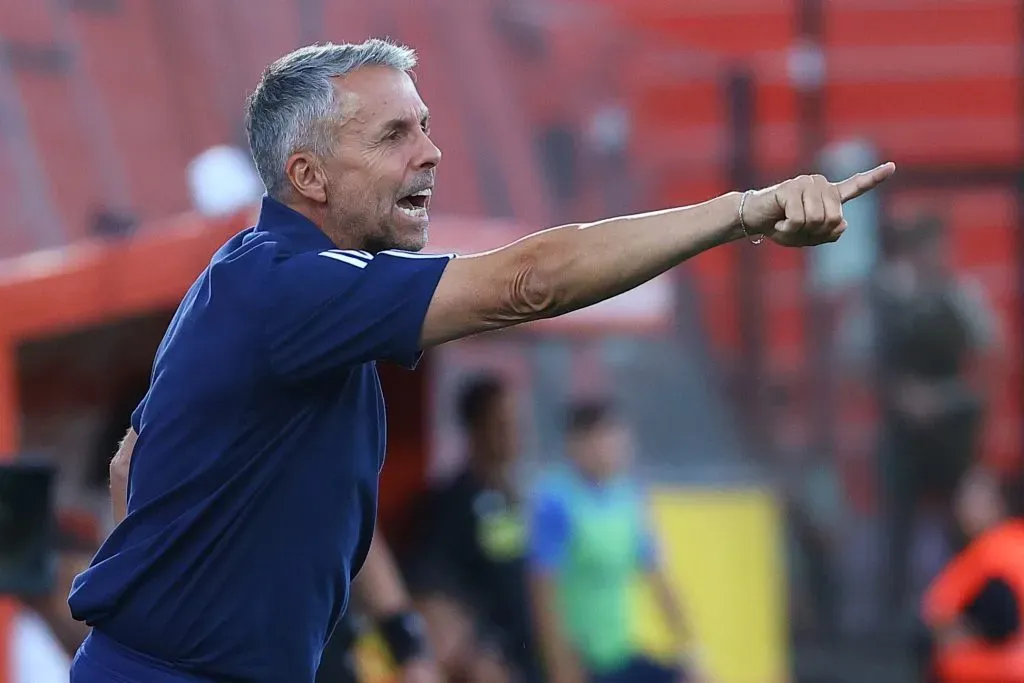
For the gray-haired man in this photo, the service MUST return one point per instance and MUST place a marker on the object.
(253, 488)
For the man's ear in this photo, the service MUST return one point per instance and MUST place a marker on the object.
(307, 176)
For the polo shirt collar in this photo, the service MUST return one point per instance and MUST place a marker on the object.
(277, 218)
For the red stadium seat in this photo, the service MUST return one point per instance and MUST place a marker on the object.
(117, 101)
(56, 196)
(135, 110)
(928, 84)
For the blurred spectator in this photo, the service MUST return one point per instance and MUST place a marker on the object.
(379, 594)
(338, 662)
(521, 24)
(973, 609)
(43, 636)
(927, 335)
(589, 542)
(468, 572)
(222, 180)
(109, 223)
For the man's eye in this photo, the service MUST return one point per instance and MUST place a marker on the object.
(393, 135)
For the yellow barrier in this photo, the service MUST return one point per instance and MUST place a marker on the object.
(724, 553)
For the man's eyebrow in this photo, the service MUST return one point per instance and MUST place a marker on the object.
(402, 123)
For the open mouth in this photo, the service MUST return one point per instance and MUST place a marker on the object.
(415, 205)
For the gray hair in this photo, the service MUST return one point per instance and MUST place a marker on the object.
(295, 94)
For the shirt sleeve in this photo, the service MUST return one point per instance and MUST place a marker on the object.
(338, 308)
(549, 533)
(136, 421)
(956, 585)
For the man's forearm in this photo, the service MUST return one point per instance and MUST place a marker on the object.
(559, 660)
(585, 264)
(382, 595)
(378, 588)
(563, 269)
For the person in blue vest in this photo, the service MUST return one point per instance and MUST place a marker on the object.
(590, 541)
(252, 491)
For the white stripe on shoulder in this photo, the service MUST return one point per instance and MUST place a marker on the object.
(413, 254)
(354, 253)
(344, 258)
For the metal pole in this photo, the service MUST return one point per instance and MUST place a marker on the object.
(1020, 243)
(740, 99)
(810, 82)
(9, 409)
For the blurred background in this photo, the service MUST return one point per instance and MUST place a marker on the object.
(801, 419)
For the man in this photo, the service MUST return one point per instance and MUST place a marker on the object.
(381, 596)
(929, 338)
(252, 494)
(470, 555)
(589, 542)
(973, 608)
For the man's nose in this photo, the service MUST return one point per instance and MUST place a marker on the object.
(431, 154)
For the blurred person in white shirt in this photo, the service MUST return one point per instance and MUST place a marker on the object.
(43, 637)
(930, 340)
(222, 181)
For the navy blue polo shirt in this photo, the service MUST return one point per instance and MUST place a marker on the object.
(253, 484)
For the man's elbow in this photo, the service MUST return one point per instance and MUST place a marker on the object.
(533, 290)
(509, 286)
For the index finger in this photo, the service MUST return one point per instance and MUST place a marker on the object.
(858, 184)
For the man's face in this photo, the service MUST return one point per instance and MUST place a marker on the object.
(603, 451)
(380, 172)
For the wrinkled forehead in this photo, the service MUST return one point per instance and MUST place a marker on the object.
(372, 96)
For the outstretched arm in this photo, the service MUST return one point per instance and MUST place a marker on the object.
(560, 661)
(563, 269)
